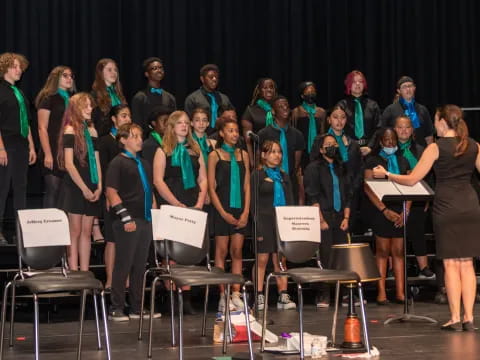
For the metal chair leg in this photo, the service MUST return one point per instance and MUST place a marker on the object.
(97, 322)
(142, 304)
(247, 321)
(227, 324)
(35, 326)
(300, 313)
(4, 315)
(12, 311)
(364, 318)
(105, 323)
(172, 314)
(82, 317)
(335, 313)
(205, 307)
(150, 324)
(180, 323)
(264, 322)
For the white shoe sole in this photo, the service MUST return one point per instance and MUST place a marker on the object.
(286, 306)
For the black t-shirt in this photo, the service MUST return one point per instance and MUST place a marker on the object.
(149, 149)
(393, 111)
(144, 103)
(107, 149)
(10, 114)
(295, 142)
(123, 176)
(255, 115)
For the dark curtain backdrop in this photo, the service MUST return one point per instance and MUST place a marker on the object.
(435, 42)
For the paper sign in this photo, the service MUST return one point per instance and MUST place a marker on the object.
(44, 227)
(298, 223)
(179, 224)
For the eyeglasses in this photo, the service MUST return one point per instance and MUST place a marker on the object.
(407, 86)
(67, 75)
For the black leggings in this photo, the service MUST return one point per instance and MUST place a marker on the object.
(52, 189)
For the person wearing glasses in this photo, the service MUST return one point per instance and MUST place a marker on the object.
(405, 104)
(51, 103)
(153, 97)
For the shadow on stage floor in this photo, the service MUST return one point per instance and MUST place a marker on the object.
(398, 341)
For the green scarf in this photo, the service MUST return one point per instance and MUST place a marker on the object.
(23, 111)
(202, 142)
(235, 196)
(113, 96)
(181, 157)
(407, 153)
(92, 161)
(265, 106)
(65, 96)
(312, 124)
(359, 131)
(157, 137)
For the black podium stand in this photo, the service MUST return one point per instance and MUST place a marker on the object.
(390, 191)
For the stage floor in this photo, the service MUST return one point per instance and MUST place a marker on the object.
(398, 341)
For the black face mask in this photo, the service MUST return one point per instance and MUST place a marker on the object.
(331, 152)
(310, 98)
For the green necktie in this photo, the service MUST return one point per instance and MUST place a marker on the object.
(359, 132)
(23, 111)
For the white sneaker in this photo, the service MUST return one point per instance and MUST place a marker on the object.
(260, 302)
(284, 302)
(221, 305)
(237, 300)
(146, 315)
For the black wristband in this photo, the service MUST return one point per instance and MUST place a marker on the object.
(383, 210)
(122, 213)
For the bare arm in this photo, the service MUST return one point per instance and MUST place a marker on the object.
(429, 156)
(43, 116)
(202, 183)
(159, 162)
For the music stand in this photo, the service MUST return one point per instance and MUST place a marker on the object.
(389, 191)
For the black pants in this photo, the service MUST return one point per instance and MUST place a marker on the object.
(52, 189)
(14, 174)
(334, 235)
(131, 251)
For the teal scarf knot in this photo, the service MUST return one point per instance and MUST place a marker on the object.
(113, 96)
(202, 142)
(341, 145)
(92, 161)
(181, 157)
(235, 195)
(65, 96)
(278, 192)
(407, 153)
(23, 111)
(146, 185)
(265, 106)
(312, 124)
(284, 146)
(392, 162)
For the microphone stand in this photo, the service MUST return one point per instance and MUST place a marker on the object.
(255, 219)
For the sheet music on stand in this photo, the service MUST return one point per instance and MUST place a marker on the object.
(390, 191)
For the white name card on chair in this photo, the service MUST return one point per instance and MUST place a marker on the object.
(298, 223)
(179, 224)
(44, 227)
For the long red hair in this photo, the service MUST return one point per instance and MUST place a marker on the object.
(100, 88)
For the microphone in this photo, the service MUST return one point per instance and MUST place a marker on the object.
(253, 136)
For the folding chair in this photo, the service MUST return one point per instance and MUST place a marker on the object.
(43, 277)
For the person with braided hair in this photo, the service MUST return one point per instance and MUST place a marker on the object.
(456, 210)
(258, 114)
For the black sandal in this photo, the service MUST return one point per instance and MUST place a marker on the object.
(452, 326)
(99, 240)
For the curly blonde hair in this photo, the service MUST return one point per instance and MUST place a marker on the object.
(7, 59)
